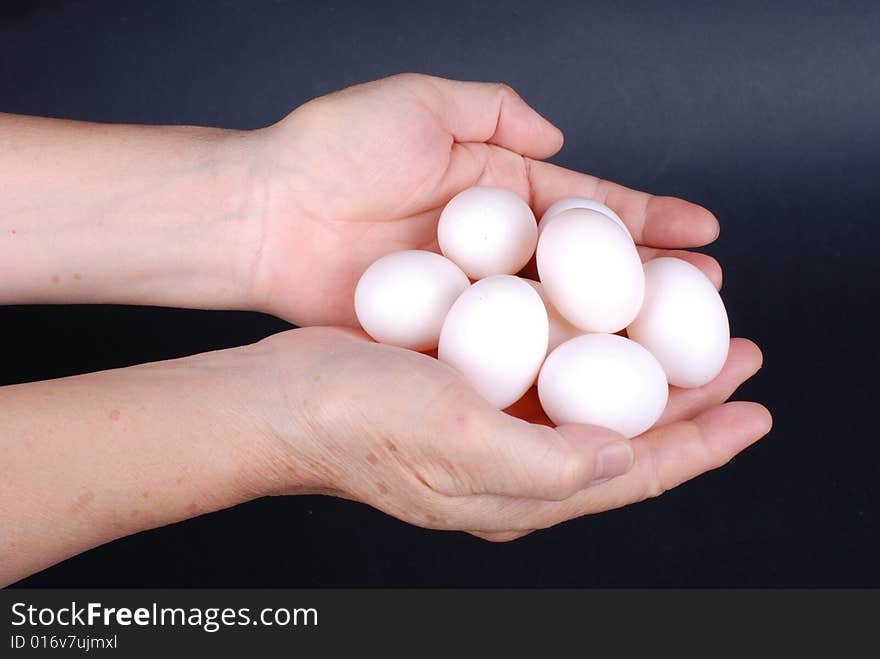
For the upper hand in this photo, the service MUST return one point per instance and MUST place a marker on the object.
(357, 174)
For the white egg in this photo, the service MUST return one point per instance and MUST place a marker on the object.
(591, 270)
(495, 335)
(579, 202)
(683, 322)
(603, 380)
(403, 298)
(560, 329)
(487, 231)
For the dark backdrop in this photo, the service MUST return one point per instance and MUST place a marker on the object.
(767, 115)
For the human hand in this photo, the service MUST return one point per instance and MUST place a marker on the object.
(404, 433)
(326, 410)
(352, 176)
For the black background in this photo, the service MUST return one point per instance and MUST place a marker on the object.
(767, 114)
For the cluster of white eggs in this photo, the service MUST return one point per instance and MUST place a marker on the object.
(503, 332)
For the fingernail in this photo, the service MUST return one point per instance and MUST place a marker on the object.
(613, 460)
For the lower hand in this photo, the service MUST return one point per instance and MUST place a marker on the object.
(352, 176)
(404, 433)
(322, 410)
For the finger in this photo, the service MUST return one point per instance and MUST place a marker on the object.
(665, 458)
(743, 360)
(710, 266)
(503, 455)
(472, 163)
(673, 454)
(493, 113)
(680, 451)
(652, 220)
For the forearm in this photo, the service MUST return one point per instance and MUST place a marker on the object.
(87, 459)
(94, 213)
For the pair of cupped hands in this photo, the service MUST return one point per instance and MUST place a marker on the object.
(360, 173)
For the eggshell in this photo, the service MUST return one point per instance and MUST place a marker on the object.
(591, 270)
(603, 380)
(560, 329)
(487, 231)
(579, 202)
(682, 322)
(496, 335)
(403, 298)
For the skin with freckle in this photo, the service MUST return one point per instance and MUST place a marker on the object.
(379, 415)
(82, 502)
(434, 467)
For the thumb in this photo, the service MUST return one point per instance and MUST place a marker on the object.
(511, 457)
(488, 112)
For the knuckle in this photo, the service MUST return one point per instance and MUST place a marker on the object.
(653, 487)
(718, 458)
(653, 483)
(420, 82)
(570, 469)
(407, 76)
(571, 481)
(503, 89)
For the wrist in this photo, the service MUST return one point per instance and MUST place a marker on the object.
(204, 221)
(294, 406)
(232, 395)
(160, 215)
(279, 246)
